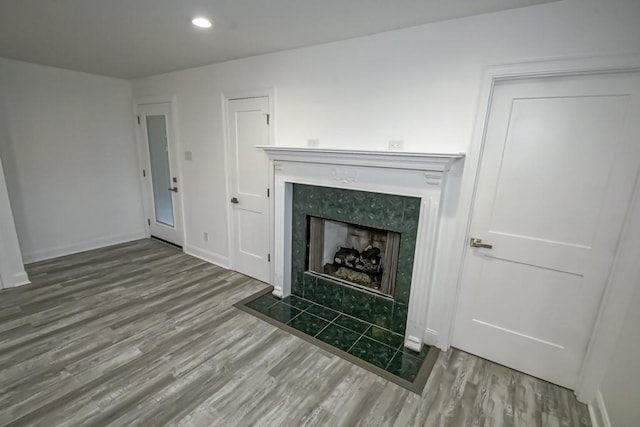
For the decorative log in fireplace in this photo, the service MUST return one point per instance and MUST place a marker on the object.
(354, 255)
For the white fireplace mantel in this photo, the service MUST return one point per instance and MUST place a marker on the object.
(434, 178)
(435, 162)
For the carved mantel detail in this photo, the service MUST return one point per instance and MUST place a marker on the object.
(433, 178)
(344, 175)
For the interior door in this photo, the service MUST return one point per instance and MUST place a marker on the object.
(162, 201)
(559, 164)
(248, 166)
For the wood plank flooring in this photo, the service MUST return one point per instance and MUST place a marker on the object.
(142, 334)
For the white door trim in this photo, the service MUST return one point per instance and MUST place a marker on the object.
(625, 271)
(224, 99)
(172, 101)
(618, 293)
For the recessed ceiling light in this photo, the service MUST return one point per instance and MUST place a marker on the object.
(201, 22)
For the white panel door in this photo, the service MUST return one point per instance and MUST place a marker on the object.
(558, 168)
(162, 200)
(249, 127)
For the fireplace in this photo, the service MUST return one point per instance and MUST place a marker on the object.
(392, 202)
(355, 255)
(331, 222)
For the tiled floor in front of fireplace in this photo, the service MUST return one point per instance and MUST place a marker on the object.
(378, 346)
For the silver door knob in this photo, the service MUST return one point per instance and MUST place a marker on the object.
(174, 189)
(235, 200)
(477, 243)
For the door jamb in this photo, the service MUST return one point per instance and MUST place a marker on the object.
(625, 269)
(172, 101)
(225, 97)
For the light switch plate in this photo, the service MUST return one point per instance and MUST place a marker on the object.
(188, 155)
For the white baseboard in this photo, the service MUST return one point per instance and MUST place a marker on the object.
(212, 257)
(598, 413)
(43, 254)
(17, 279)
(430, 337)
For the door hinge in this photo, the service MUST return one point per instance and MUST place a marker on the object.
(148, 221)
(268, 116)
(268, 257)
(268, 194)
(138, 119)
(144, 173)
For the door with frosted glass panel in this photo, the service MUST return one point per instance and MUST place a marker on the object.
(162, 190)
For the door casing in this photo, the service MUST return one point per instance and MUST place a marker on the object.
(174, 146)
(619, 287)
(224, 99)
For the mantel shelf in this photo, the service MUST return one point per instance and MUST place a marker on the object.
(439, 162)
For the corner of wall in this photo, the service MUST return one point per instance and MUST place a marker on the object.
(205, 255)
(598, 412)
(11, 263)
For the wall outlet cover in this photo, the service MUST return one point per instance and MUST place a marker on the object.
(313, 143)
(396, 144)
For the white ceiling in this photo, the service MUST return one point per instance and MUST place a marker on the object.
(135, 38)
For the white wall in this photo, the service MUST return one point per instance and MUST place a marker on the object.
(68, 148)
(420, 85)
(621, 386)
(11, 269)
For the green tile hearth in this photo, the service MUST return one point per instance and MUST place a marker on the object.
(323, 312)
(362, 305)
(308, 323)
(373, 352)
(352, 323)
(299, 303)
(367, 341)
(263, 303)
(338, 337)
(282, 312)
(404, 366)
(385, 336)
(415, 354)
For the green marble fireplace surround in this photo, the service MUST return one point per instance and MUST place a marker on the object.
(383, 211)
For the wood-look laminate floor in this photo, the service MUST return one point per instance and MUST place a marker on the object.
(142, 334)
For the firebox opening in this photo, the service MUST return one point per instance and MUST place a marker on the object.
(352, 254)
